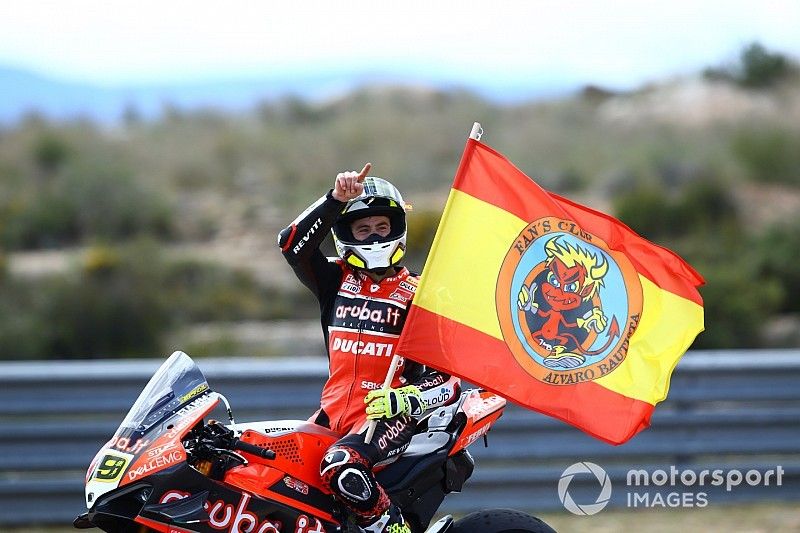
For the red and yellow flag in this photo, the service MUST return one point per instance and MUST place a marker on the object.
(555, 306)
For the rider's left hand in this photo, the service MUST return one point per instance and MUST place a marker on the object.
(388, 403)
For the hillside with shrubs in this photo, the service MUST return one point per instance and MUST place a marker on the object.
(146, 236)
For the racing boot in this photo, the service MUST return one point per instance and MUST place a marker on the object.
(391, 521)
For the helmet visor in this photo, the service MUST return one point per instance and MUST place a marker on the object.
(369, 207)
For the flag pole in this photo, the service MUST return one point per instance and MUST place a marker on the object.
(476, 133)
(387, 383)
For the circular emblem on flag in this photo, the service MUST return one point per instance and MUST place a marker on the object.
(567, 304)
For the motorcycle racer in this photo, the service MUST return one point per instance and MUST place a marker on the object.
(364, 296)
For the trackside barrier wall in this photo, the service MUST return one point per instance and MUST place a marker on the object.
(729, 411)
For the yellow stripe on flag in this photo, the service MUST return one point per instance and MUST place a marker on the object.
(460, 279)
(655, 348)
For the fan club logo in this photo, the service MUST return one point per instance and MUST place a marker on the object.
(567, 304)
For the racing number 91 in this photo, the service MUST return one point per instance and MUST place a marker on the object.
(110, 468)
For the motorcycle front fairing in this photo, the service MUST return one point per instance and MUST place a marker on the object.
(143, 475)
(149, 438)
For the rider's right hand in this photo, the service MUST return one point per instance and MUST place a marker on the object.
(389, 403)
(350, 184)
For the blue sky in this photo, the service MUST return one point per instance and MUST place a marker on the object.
(618, 43)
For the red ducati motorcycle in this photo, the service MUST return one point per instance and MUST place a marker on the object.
(167, 468)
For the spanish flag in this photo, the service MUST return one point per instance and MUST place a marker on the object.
(555, 306)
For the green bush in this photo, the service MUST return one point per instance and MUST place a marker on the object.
(24, 332)
(707, 206)
(777, 259)
(702, 207)
(422, 226)
(84, 202)
(737, 305)
(649, 212)
(113, 205)
(761, 68)
(50, 152)
(569, 181)
(757, 68)
(204, 292)
(769, 154)
(112, 305)
(46, 220)
(108, 306)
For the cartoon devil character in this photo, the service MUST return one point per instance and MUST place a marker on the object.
(559, 304)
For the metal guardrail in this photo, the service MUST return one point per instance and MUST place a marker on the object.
(726, 410)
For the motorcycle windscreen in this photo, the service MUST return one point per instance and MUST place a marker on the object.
(173, 387)
(175, 384)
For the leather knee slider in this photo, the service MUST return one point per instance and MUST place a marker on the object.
(349, 478)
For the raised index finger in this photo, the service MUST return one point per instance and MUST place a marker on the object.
(363, 173)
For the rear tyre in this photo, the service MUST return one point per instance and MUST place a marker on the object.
(500, 521)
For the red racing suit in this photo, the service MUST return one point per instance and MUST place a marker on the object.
(361, 321)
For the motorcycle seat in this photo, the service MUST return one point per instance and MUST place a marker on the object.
(425, 450)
